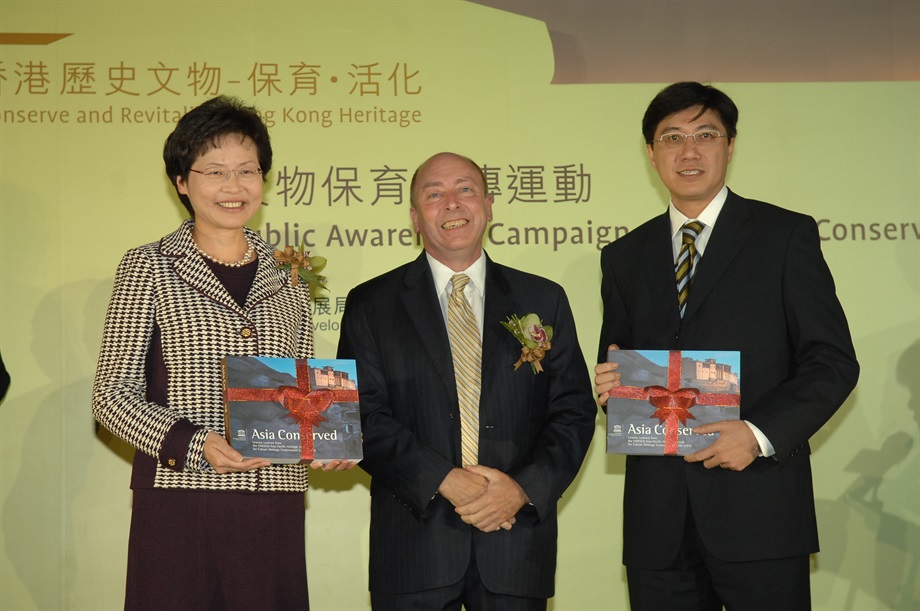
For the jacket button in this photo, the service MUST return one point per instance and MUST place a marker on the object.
(246, 332)
(171, 462)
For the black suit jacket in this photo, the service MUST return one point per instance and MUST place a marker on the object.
(762, 287)
(534, 427)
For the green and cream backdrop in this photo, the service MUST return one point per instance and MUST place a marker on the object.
(357, 94)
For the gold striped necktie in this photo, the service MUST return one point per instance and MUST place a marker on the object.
(687, 259)
(466, 350)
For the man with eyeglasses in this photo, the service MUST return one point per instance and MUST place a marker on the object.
(731, 525)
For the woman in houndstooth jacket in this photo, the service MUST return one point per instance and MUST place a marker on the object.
(209, 529)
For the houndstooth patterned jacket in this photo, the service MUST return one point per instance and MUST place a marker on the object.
(167, 283)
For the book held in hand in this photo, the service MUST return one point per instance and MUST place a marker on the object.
(292, 410)
(664, 394)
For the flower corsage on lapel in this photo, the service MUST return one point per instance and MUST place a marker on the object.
(302, 266)
(534, 337)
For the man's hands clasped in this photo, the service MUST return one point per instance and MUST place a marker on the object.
(484, 497)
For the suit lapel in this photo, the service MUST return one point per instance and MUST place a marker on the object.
(421, 302)
(499, 305)
(268, 281)
(729, 235)
(192, 269)
(658, 263)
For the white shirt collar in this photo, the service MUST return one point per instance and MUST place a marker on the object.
(476, 272)
(707, 217)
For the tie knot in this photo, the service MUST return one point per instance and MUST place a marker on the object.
(691, 231)
(458, 283)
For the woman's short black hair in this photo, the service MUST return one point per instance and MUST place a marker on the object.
(203, 127)
(681, 96)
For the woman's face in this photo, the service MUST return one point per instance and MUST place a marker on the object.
(224, 202)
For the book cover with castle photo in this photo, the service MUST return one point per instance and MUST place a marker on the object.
(292, 410)
(664, 394)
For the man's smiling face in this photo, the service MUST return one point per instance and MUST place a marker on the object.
(451, 209)
(692, 174)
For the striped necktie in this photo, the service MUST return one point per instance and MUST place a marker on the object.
(466, 350)
(687, 259)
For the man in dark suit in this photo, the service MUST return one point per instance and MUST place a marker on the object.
(732, 524)
(445, 530)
